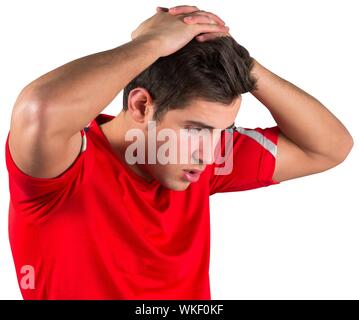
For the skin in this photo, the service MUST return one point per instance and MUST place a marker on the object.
(49, 114)
(312, 139)
(141, 110)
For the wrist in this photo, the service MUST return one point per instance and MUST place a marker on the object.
(254, 73)
(150, 45)
(254, 66)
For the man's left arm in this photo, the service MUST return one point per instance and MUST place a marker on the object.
(311, 138)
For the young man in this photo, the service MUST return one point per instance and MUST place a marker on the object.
(86, 223)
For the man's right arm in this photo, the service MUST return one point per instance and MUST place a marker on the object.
(49, 113)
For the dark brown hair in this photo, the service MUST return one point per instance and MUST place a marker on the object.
(216, 70)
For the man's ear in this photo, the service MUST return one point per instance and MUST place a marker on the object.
(140, 105)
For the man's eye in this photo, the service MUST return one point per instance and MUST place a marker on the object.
(194, 130)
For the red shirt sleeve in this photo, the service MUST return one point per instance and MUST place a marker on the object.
(37, 196)
(253, 157)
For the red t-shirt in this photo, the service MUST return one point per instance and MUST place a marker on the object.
(100, 231)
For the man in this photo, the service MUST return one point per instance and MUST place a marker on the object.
(87, 222)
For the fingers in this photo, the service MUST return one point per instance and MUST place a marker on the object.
(215, 17)
(193, 19)
(191, 9)
(183, 9)
(211, 15)
(210, 36)
(209, 27)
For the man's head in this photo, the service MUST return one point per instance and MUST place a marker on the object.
(197, 87)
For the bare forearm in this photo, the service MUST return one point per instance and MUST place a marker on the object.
(301, 117)
(78, 91)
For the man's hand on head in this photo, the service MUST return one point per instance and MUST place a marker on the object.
(169, 32)
(197, 16)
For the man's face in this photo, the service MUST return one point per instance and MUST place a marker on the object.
(187, 141)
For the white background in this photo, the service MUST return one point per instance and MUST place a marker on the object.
(295, 240)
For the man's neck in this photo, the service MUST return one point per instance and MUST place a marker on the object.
(115, 132)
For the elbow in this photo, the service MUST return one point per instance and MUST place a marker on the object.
(350, 145)
(343, 149)
(30, 111)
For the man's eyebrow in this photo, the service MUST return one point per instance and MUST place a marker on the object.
(199, 124)
(205, 125)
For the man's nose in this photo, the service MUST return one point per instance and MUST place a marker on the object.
(197, 158)
(203, 155)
